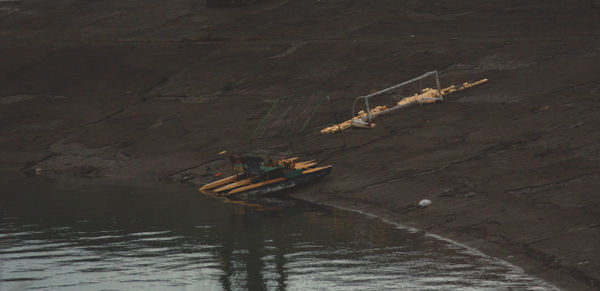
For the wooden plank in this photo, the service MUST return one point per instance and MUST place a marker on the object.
(234, 185)
(249, 187)
(304, 166)
(218, 183)
(305, 162)
(290, 159)
(316, 169)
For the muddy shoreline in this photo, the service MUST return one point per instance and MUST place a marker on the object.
(520, 259)
(156, 90)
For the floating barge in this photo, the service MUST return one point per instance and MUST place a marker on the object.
(253, 177)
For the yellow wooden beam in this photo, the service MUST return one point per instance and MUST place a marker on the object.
(218, 183)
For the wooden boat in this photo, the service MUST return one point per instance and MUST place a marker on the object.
(252, 176)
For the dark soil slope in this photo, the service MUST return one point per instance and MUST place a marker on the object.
(154, 89)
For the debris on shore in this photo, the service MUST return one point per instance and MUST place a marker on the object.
(427, 95)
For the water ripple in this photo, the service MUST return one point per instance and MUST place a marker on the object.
(108, 238)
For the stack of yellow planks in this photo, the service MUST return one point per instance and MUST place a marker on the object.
(348, 123)
(232, 185)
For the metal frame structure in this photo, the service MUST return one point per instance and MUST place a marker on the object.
(366, 97)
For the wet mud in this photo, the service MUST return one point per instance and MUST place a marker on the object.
(155, 90)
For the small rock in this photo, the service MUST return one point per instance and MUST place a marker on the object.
(157, 123)
(424, 203)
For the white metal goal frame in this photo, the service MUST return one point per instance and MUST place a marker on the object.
(367, 97)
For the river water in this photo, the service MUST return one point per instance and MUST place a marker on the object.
(98, 234)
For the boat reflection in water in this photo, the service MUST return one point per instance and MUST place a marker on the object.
(107, 234)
